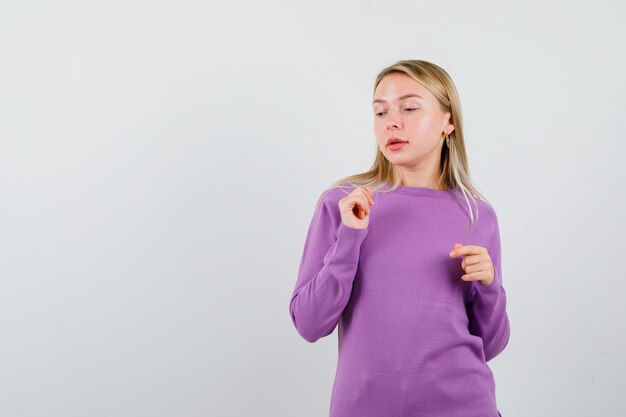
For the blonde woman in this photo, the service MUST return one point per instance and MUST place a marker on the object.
(405, 260)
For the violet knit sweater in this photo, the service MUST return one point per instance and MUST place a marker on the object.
(414, 339)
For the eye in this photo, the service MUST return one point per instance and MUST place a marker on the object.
(381, 113)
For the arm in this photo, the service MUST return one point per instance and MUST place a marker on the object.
(487, 310)
(327, 269)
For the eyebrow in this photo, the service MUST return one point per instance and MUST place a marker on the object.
(378, 100)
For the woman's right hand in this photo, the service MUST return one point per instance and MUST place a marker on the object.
(355, 208)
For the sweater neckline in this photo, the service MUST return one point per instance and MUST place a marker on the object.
(422, 191)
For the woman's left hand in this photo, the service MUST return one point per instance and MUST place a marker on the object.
(476, 263)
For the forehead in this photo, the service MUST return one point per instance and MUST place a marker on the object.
(394, 86)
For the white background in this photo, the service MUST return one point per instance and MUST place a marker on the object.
(160, 163)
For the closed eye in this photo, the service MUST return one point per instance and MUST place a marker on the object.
(378, 114)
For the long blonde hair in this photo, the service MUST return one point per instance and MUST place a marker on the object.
(383, 176)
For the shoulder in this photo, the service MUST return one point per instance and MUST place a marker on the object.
(328, 202)
(327, 215)
(332, 195)
(482, 211)
(487, 210)
(487, 218)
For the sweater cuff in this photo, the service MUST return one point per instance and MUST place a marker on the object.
(348, 245)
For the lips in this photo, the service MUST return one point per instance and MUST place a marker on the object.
(395, 140)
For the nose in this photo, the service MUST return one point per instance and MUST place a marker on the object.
(393, 124)
(393, 121)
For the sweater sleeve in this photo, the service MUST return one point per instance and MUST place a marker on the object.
(487, 313)
(327, 269)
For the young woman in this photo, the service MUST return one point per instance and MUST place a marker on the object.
(405, 258)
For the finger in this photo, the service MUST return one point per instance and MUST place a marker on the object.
(475, 276)
(362, 200)
(360, 205)
(358, 211)
(368, 194)
(471, 260)
(466, 250)
(482, 266)
(454, 252)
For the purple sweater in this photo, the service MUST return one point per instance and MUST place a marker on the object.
(413, 337)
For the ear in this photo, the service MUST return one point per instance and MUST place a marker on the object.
(449, 127)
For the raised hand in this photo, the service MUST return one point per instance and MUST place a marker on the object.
(355, 208)
(476, 263)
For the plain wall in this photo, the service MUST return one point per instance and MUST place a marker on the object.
(160, 163)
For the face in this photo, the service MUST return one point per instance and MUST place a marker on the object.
(417, 119)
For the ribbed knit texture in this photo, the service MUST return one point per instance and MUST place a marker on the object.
(413, 337)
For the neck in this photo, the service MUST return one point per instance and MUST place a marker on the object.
(412, 180)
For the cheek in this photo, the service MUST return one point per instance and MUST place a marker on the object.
(380, 132)
(418, 125)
